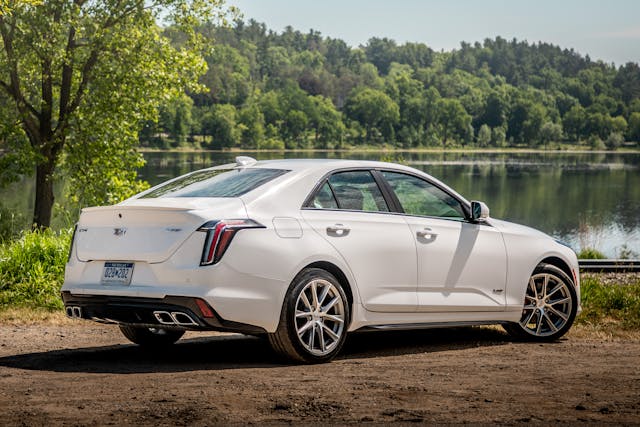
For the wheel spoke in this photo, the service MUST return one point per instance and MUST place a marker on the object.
(305, 300)
(323, 346)
(549, 322)
(304, 328)
(323, 295)
(556, 289)
(333, 318)
(560, 301)
(300, 313)
(526, 322)
(312, 335)
(314, 295)
(539, 324)
(558, 313)
(330, 332)
(330, 304)
(532, 286)
(544, 285)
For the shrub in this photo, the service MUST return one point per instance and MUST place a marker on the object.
(615, 140)
(589, 253)
(596, 143)
(32, 269)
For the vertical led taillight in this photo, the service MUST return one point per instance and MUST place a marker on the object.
(219, 236)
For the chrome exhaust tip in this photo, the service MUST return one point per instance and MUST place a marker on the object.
(73, 312)
(164, 317)
(176, 318)
(183, 319)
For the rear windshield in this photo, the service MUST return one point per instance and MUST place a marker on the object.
(216, 183)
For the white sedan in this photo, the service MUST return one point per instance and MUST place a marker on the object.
(304, 251)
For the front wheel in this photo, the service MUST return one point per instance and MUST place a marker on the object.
(314, 318)
(550, 305)
(151, 337)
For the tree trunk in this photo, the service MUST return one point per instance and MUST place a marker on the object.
(44, 194)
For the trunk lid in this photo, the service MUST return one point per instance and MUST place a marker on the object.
(148, 230)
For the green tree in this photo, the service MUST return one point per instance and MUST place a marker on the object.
(221, 125)
(573, 123)
(251, 122)
(484, 136)
(374, 110)
(293, 128)
(614, 141)
(176, 119)
(550, 132)
(634, 127)
(326, 121)
(84, 74)
(453, 120)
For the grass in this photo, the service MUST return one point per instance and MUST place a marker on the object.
(610, 305)
(32, 270)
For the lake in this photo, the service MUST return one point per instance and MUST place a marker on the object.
(586, 199)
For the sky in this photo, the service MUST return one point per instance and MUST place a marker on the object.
(607, 30)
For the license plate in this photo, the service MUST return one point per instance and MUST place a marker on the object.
(118, 273)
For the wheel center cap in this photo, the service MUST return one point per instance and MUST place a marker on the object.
(541, 303)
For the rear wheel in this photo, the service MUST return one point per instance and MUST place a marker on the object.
(550, 305)
(314, 319)
(151, 337)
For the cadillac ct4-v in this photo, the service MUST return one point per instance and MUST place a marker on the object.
(305, 251)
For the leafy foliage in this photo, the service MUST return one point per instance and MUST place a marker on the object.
(77, 79)
(32, 269)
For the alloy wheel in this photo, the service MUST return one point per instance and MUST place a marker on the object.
(319, 317)
(548, 305)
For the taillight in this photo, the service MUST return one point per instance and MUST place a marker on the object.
(219, 236)
(73, 240)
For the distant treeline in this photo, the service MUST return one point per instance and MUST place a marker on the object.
(294, 90)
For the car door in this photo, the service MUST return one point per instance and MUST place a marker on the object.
(351, 213)
(461, 265)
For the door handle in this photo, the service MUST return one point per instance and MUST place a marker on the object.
(338, 230)
(426, 233)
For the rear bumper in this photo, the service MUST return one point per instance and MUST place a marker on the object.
(150, 313)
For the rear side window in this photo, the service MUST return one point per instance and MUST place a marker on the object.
(216, 183)
(356, 191)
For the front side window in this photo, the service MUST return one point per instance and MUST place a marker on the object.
(420, 197)
(216, 183)
(355, 191)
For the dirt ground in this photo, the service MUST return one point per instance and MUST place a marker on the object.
(82, 374)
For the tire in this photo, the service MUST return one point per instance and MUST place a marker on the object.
(550, 306)
(314, 318)
(151, 337)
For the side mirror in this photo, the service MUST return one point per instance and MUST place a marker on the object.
(479, 211)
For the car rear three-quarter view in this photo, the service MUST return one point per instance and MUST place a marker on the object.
(305, 251)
